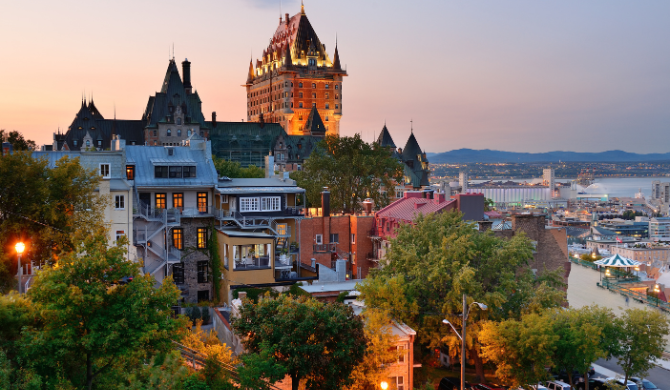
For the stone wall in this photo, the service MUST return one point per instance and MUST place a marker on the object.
(190, 257)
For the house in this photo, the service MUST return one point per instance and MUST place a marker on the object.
(258, 228)
(174, 193)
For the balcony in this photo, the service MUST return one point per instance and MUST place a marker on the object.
(251, 263)
(325, 248)
(198, 212)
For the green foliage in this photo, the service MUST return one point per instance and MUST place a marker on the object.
(352, 170)
(234, 170)
(16, 312)
(215, 261)
(342, 296)
(193, 313)
(489, 204)
(166, 373)
(44, 208)
(259, 370)
(631, 214)
(433, 262)
(16, 139)
(296, 291)
(91, 325)
(313, 341)
(641, 339)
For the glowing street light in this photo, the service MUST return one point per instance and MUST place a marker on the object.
(384, 385)
(20, 247)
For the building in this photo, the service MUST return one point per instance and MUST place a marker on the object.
(325, 238)
(114, 186)
(174, 213)
(294, 75)
(416, 173)
(659, 229)
(621, 228)
(645, 253)
(171, 116)
(660, 191)
(258, 231)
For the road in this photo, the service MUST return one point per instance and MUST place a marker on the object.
(659, 376)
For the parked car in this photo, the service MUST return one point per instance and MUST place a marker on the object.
(447, 383)
(644, 384)
(558, 385)
(487, 386)
(594, 384)
(535, 387)
(630, 385)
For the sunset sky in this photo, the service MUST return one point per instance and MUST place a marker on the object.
(510, 75)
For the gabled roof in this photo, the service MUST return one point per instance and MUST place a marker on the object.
(314, 123)
(385, 139)
(407, 208)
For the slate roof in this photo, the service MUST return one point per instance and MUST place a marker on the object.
(385, 139)
(249, 142)
(413, 158)
(146, 158)
(314, 123)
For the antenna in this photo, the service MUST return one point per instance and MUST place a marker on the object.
(411, 126)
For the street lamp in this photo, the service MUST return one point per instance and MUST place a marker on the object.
(20, 247)
(466, 312)
(384, 385)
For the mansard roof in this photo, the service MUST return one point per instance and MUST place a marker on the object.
(102, 129)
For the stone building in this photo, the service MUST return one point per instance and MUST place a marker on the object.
(416, 174)
(295, 74)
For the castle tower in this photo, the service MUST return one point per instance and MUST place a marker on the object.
(294, 75)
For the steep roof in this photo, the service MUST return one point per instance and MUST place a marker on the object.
(314, 123)
(385, 139)
(411, 149)
(336, 59)
(407, 208)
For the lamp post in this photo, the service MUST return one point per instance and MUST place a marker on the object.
(384, 385)
(20, 247)
(466, 312)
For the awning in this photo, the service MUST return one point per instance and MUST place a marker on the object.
(617, 261)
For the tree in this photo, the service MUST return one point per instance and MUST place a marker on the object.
(44, 207)
(352, 170)
(16, 139)
(439, 258)
(379, 353)
(489, 204)
(233, 169)
(313, 341)
(90, 323)
(520, 349)
(641, 338)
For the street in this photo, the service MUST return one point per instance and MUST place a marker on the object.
(659, 376)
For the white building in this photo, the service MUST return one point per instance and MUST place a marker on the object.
(659, 229)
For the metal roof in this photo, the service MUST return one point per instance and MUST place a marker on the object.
(242, 233)
(194, 155)
(260, 190)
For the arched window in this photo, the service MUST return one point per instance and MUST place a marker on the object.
(88, 143)
(336, 86)
(178, 132)
(169, 132)
(179, 121)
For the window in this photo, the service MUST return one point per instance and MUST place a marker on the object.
(99, 143)
(313, 85)
(178, 238)
(169, 132)
(300, 117)
(270, 203)
(336, 86)
(160, 172)
(249, 204)
(299, 85)
(224, 198)
(179, 121)
(327, 86)
(318, 239)
(188, 133)
(337, 106)
(327, 95)
(189, 171)
(178, 273)
(353, 238)
(119, 202)
(313, 96)
(300, 95)
(399, 382)
(203, 296)
(178, 132)
(326, 115)
(161, 201)
(401, 354)
(119, 234)
(300, 105)
(202, 202)
(155, 133)
(104, 171)
(335, 238)
(75, 142)
(175, 172)
(178, 201)
(202, 238)
(130, 172)
(203, 271)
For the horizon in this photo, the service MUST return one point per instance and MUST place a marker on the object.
(519, 77)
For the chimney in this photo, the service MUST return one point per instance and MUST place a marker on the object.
(325, 202)
(269, 165)
(367, 206)
(286, 15)
(118, 143)
(213, 119)
(186, 69)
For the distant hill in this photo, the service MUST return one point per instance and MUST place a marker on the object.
(491, 156)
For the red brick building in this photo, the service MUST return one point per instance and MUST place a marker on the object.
(294, 75)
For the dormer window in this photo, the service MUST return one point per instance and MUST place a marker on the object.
(179, 121)
(75, 142)
(88, 143)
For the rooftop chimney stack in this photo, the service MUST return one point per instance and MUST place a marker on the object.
(286, 18)
(325, 202)
(213, 119)
(186, 69)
